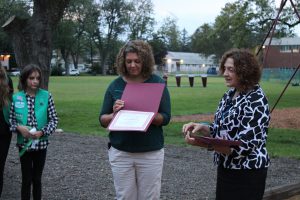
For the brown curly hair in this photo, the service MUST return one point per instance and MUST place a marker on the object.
(143, 50)
(247, 67)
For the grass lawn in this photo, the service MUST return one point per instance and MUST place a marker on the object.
(78, 101)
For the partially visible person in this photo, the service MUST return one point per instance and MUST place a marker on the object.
(242, 114)
(6, 91)
(33, 117)
(136, 158)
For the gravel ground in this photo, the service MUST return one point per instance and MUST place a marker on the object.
(77, 167)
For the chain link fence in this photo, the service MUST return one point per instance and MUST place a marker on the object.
(281, 74)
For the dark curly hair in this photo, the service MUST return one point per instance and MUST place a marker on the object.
(247, 67)
(143, 50)
(25, 73)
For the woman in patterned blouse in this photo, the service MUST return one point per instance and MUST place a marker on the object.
(33, 117)
(242, 115)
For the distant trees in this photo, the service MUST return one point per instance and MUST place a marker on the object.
(86, 28)
(74, 34)
(242, 24)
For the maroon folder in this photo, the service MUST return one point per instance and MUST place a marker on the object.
(215, 141)
(142, 96)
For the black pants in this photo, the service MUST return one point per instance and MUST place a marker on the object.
(32, 166)
(5, 139)
(240, 184)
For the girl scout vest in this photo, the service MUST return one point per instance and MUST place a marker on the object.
(40, 109)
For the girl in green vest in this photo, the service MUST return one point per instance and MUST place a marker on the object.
(6, 91)
(33, 117)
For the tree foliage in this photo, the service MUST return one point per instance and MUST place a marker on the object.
(111, 25)
(89, 28)
(141, 20)
(242, 24)
(31, 35)
(159, 48)
(75, 31)
(169, 31)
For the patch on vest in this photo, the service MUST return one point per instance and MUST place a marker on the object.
(19, 104)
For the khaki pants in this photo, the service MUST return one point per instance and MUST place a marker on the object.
(137, 176)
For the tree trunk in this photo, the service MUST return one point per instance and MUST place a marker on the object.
(32, 37)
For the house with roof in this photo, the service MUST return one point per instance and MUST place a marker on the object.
(282, 52)
(184, 62)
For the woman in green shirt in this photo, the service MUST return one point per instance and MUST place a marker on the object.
(136, 158)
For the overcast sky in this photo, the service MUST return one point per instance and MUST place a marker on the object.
(191, 13)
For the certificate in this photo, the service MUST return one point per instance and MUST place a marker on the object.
(127, 120)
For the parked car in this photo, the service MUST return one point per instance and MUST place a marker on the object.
(15, 73)
(212, 70)
(74, 72)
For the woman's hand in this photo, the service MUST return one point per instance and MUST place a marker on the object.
(119, 104)
(191, 127)
(188, 139)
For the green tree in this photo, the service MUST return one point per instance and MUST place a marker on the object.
(242, 24)
(264, 13)
(141, 20)
(31, 36)
(231, 28)
(159, 48)
(82, 14)
(63, 40)
(111, 24)
(185, 41)
(9, 8)
(202, 40)
(171, 34)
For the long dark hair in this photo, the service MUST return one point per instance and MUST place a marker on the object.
(4, 88)
(27, 70)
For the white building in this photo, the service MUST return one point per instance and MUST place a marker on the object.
(187, 62)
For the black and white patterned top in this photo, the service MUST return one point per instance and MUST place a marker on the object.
(47, 130)
(245, 118)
